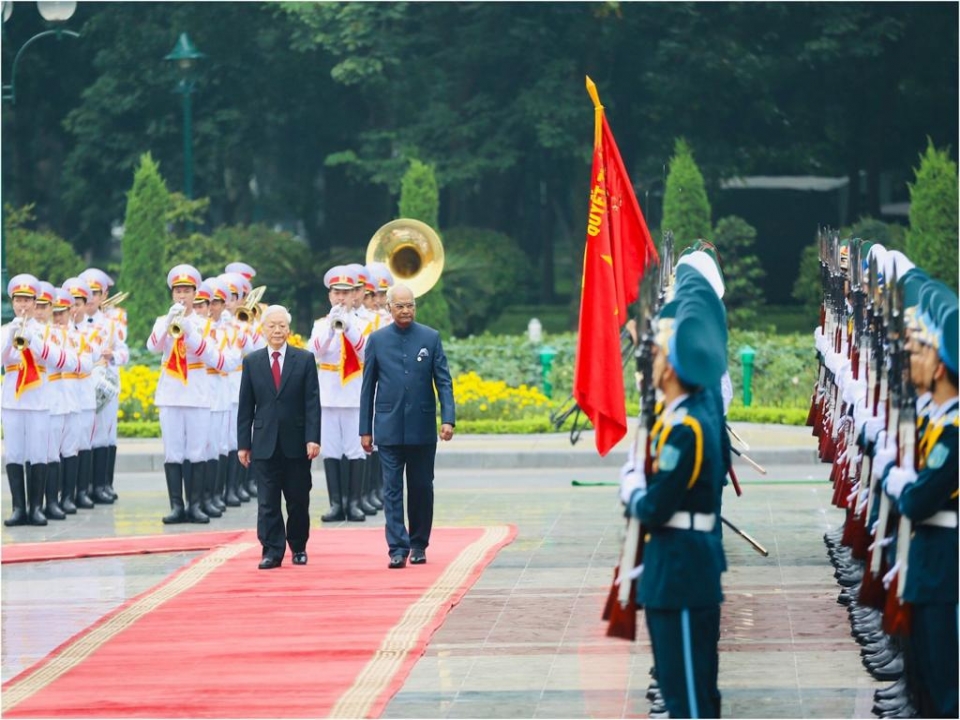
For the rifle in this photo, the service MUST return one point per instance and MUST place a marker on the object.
(621, 607)
(570, 406)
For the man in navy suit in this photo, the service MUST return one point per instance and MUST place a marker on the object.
(404, 371)
(280, 404)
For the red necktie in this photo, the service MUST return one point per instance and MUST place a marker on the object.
(276, 368)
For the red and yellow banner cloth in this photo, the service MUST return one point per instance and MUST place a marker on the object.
(618, 251)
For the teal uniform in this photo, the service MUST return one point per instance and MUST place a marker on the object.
(932, 574)
(680, 585)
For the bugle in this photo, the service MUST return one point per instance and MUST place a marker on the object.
(20, 340)
(249, 311)
(175, 327)
(114, 300)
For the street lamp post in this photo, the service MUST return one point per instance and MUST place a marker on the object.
(185, 55)
(55, 13)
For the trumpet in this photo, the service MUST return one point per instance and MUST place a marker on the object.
(336, 319)
(175, 328)
(114, 300)
(20, 340)
(250, 309)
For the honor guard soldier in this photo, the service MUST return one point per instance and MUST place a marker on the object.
(89, 351)
(337, 344)
(113, 354)
(927, 495)
(678, 505)
(371, 319)
(182, 397)
(27, 355)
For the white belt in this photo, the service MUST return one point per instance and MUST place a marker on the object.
(702, 522)
(944, 519)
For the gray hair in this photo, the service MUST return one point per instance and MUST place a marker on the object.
(392, 291)
(277, 310)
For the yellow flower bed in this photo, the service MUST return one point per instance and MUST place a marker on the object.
(477, 398)
(138, 383)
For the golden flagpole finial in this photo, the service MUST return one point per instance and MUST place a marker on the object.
(592, 89)
(598, 112)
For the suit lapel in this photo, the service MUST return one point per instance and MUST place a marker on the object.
(267, 361)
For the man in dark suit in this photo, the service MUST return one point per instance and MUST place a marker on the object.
(280, 404)
(403, 364)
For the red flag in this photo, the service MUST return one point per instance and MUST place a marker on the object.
(28, 374)
(350, 365)
(618, 251)
(177, 362)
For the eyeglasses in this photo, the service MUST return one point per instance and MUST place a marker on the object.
(403, 306)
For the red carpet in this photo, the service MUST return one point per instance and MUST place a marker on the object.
(110, 547)
(221, 638)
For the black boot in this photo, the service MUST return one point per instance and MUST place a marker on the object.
(85, 479)
(331, 468)
(202, 474)
(36, 485)
(366, 490)
(377, 477)
(216, 489)
(354, 513)
(193, 486)
(241, 483)
(69, 466)
(251, 481)
(230, 464)
(174, 474)
(111, 469)
(100, 462)
(370, 470)
(52, 509)
(15, 476)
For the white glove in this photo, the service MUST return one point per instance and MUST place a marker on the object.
(897, 479)
(820, 341)
(872, 428)
(631, 479)
(175, 309)
(16, 323)
(883, 456)
(853, 390)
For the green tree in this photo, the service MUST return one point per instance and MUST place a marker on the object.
(686, 209)
(144, 268)
(44, 255)
(932, 238)
(485, 271)
(735, 239)
(420, 200)
(808, 288)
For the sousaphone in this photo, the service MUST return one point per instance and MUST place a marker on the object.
(413, 252)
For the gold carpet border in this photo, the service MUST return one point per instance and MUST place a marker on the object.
(75, 653)
(386, 661)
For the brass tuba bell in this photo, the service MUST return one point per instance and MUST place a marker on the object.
(412, 250)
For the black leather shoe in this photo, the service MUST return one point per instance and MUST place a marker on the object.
(418, 557)
(268, 563)
(397, 562)
(300, 558)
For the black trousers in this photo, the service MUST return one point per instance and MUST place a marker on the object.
(291, 478)
(418, 461)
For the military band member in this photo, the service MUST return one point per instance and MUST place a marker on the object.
(27, 356)
(337, 343)
(69, 442)
(114, 353)
(222, 329)
(678, 505)
(89, 348)
(182, 397)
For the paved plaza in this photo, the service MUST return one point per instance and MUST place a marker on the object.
(527, 640)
